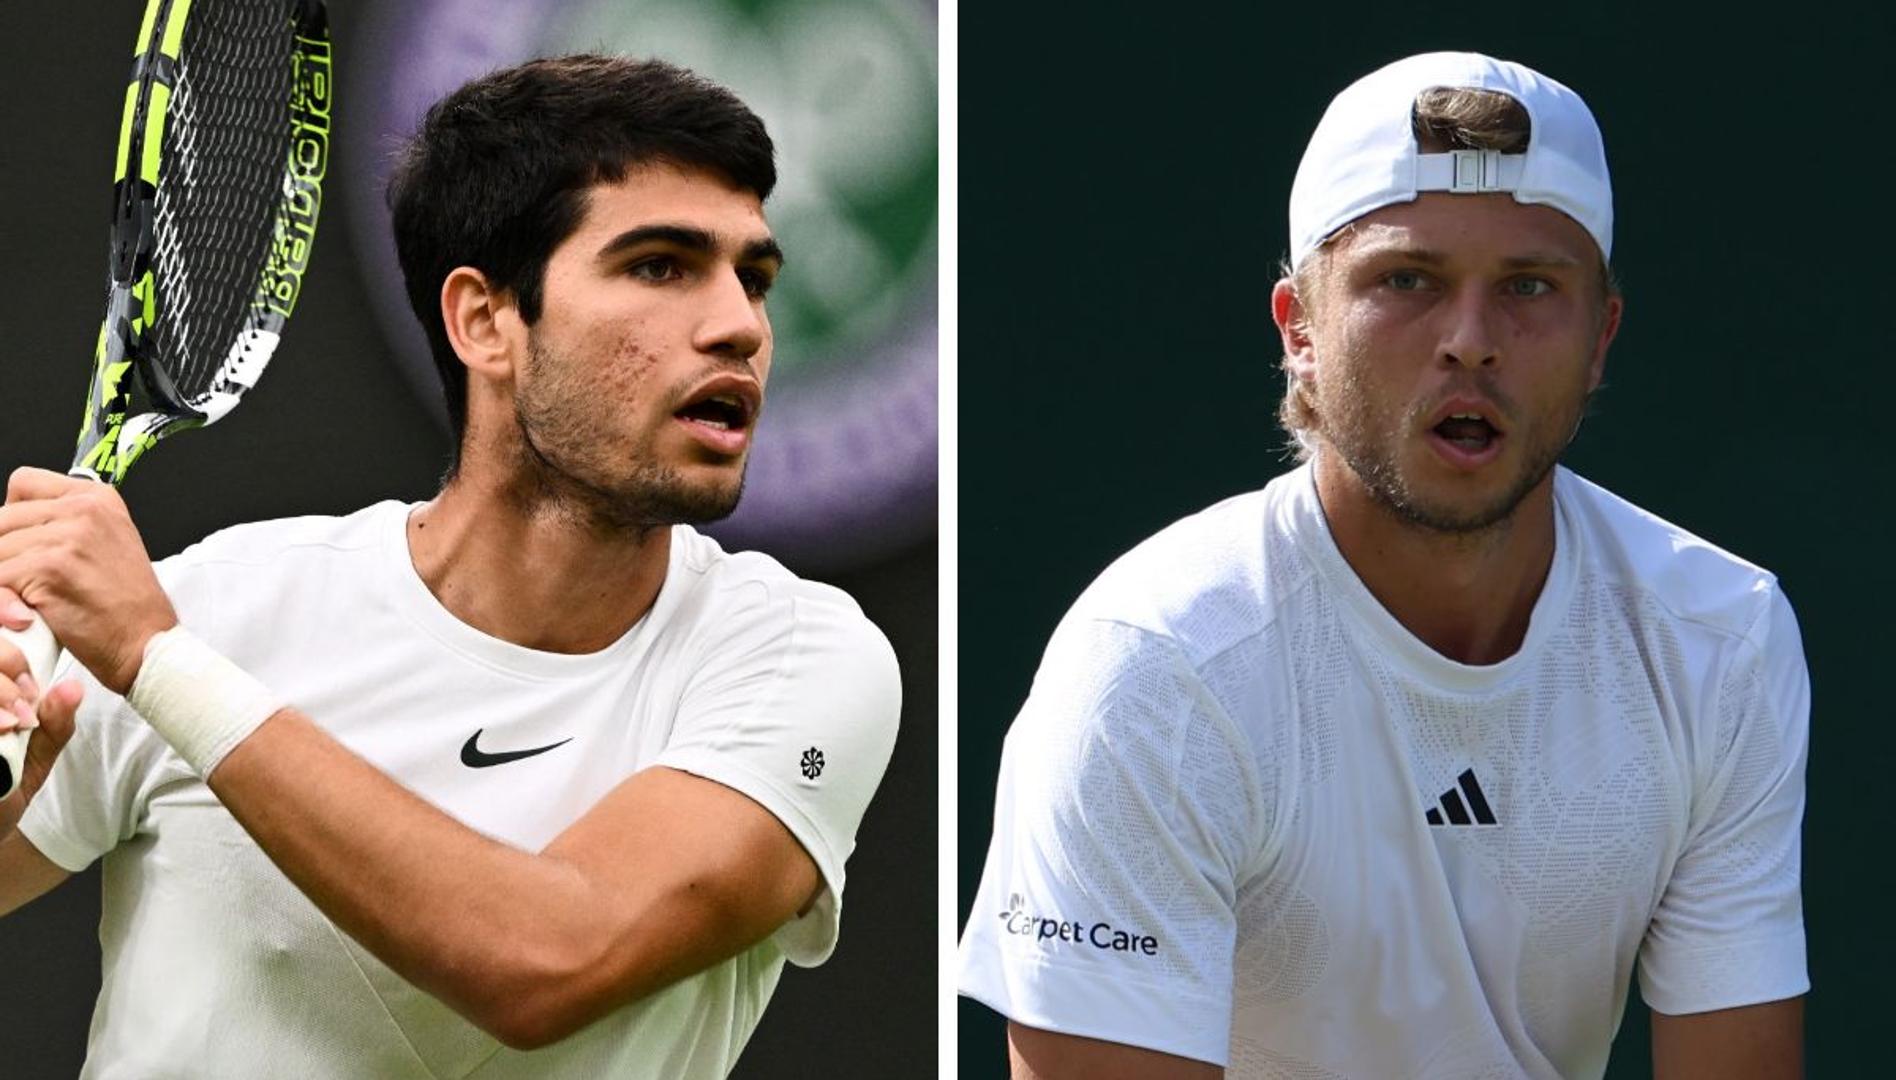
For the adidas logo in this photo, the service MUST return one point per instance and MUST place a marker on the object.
(1458, 811)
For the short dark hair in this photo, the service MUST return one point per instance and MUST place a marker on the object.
(497, 175)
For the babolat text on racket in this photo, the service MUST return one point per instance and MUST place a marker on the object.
(218, 180)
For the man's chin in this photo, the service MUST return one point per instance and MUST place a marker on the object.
(1465, 506)
(1452, 519)
(652, 500)
(707, 510)
(682, 502)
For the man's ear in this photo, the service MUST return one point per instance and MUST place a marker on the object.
(1291, 314)
(483, 324)
(1609, 328)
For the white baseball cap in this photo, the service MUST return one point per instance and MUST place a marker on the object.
(1363, 154)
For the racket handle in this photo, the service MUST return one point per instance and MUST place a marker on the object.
(42, 654)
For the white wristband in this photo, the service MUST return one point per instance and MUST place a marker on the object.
(201, 702)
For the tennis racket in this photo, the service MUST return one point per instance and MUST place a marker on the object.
(218, 179)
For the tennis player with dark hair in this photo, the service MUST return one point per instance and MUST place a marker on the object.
(529, 780)
(1403, 765)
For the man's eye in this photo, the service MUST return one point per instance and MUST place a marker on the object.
(1404, 280)
(1530, 286)
(756, 282)
(661, 269)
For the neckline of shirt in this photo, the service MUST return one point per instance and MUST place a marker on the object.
(1311, 528)
(411, 596)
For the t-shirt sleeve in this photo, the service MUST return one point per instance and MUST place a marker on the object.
(1123, 824)
(1729, 929)
(96, 795)
(796, 707)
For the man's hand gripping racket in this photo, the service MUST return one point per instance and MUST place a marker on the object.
(42, 653)
(223, 146)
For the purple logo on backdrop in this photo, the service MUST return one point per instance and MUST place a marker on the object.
(844, 467)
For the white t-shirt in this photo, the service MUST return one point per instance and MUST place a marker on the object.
(1246, 817)
(215, 966)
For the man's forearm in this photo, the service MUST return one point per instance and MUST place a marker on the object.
(493, 931)
(25, 874)
(12, 808)
(666, 875)
(1751, 1042)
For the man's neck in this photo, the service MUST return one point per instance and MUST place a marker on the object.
(533, 573)
(1467, 596)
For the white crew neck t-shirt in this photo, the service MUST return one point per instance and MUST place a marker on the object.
(1246, 817)
(215, 966)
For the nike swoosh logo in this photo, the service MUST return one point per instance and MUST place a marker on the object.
(475, 758)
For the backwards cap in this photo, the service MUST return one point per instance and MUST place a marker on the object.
(1363, 154)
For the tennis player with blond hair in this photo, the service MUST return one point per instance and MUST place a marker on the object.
(1409, 763)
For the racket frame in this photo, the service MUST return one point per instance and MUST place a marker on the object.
(112, 436)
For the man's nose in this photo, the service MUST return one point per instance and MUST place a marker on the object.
(1468, 335)
(733, 322)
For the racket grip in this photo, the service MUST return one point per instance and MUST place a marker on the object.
(42, 654)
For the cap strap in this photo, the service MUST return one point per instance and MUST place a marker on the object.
(1469, 171)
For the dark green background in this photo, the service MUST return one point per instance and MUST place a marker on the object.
(331, 428)
(1124, 174)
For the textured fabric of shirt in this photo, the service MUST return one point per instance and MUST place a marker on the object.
(1246, 817)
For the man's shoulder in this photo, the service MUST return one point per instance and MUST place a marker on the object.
(728, 591)
(748, 618)
(1683, 574)
(1204, 583)
(265, 543)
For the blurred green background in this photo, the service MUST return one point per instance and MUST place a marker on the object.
(1124, 174)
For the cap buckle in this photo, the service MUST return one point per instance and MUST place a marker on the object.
(1475, 171)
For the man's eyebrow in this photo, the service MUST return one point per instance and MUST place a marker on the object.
(765, 250)
(1532, 260)
(1539, 260)
(1425, 256)
(690, 238)
(684, 236)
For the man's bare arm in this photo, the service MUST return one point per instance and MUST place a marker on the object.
(1755, 1042)
(667, 875)
(1047, 1055)
(25, 874)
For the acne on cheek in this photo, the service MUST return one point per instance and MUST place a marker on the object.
(629, 361)
(604, 378)
(632, 358)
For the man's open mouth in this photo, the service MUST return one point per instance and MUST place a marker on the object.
(1468, 431)
(724, 412)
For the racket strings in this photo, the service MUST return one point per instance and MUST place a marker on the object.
(221, 180)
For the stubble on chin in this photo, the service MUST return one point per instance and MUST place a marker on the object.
(1443, 517)
(565, 465)
(1371, 447)
(632, 495)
